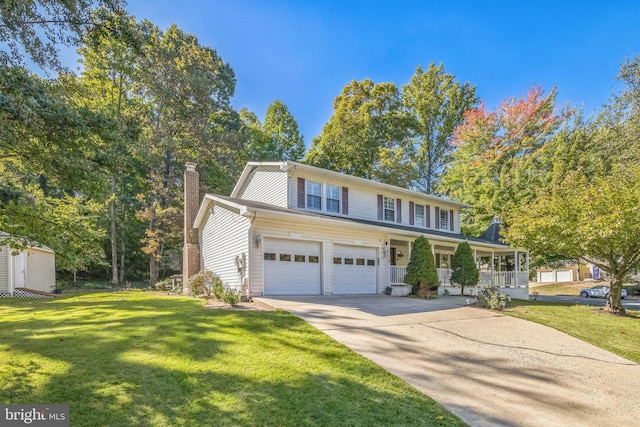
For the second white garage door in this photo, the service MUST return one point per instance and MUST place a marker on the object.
(291, 267)
(354, 270)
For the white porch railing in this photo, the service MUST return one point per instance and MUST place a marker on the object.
(396, 274)
(503, 278)
(486, 278)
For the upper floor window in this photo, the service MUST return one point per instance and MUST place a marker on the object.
(444, 219)
(419, 215)
(314, 195)
(389, 209)
(333, 198)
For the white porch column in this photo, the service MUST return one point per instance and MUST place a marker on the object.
(492, 270)
(516, 267)
(527, 262)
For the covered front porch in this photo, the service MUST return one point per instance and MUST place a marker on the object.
(503, 267)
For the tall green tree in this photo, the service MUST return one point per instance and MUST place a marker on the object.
(464, 271)
(590, 210)
(107, 85)
(182, 85)
(435, 104)
(421, 270)
(277, 138)
(36, 29)
(497, 158)
(367, 121)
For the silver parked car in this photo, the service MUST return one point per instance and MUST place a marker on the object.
(599, 291)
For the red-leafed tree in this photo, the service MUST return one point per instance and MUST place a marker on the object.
(497, 154)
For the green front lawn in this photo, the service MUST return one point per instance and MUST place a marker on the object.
(134, 358)
(617, 334)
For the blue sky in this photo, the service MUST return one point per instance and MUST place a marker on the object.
(304, 52)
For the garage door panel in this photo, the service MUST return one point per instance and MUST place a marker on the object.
(547, 276)
(291, 267)
(564, 276)
(354, 270)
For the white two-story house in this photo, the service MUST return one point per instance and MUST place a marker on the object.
(293, 229)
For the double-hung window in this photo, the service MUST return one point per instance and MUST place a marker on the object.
(333, 198)
(419, 215)
(389, 209)
(314, 195)
(444, 219)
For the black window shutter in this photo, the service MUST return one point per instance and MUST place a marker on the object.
(302, 193)
(345, 201)
(411, 214)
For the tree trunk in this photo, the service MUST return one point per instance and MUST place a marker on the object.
(154, 270)
(114, 242)
(614, 300)
(122, 254)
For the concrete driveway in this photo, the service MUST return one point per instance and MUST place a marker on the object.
(489, 369)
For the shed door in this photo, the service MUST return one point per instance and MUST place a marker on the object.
(291, 267)
(354, 270)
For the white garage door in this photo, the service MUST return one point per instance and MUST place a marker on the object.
(547, 276)
(564, 276)
(291, 267)
(354, 270)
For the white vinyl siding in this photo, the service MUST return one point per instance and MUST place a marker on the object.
(41, 270)
(267, 185)
(224, 236)
(4, 269)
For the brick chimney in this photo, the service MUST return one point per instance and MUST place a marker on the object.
(191, 248)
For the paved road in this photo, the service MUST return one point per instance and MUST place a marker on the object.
(489, 369)
(627, 303)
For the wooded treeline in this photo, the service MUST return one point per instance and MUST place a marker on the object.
(91, 164)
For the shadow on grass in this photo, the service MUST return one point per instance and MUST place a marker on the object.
(127, 359)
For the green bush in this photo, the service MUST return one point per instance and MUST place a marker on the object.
(202, 283)
(492, 298)
(217, 289)
(231, 296)
(164, 284)
(421, 271)
(464, 271)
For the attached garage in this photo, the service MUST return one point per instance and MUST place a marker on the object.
(354, 270)
(291, 267)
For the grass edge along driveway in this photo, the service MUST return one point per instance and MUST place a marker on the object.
(618, 334)
(134, 358)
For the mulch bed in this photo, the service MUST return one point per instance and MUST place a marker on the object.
(241, 306)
